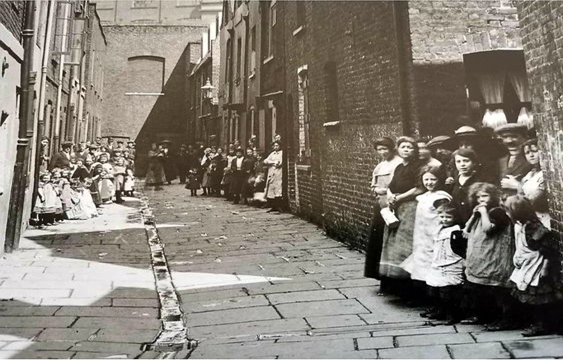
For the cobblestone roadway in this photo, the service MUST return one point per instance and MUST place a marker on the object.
(326, 310)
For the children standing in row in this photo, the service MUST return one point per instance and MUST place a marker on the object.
(480, 251)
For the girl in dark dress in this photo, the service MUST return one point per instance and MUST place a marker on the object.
(536, 278)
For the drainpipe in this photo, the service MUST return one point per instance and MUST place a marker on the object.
(404, 55)
(46, 47)
(17, 199)
(56, 140)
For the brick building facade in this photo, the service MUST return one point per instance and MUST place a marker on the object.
(95, 51)
(145, 85)
(376, 69)
(146, 89)
(203, 77)
(157, 11)
(11, 59)
(542, 37)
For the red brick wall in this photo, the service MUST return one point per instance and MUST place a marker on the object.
(11, 16)
(542, 37)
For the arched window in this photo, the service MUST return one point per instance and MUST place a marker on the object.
(145, 74)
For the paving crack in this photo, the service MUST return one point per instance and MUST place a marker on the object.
(173, 336)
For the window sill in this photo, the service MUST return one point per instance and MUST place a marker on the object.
(270, 58)
(331, 124)
(143, 94)
(298, 30)
(144, 7)
(306, 168)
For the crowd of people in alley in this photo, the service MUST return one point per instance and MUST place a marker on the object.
(75, 183)
(241, 175)
(462, 228)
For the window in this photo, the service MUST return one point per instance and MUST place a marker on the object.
(301, 16)
(266, 35)
(239, 58)
(269, 21)
(272, 19)
(145, 74)
(186, 3)
(63, 28)
(145, 3)
(253, 50)
(303, 116)
(228, 65)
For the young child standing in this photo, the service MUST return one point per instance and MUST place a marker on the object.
(46, 202)
(537, 275)
(193, 182)
(446, 271)
(58, 182)
(427, 223)
(490, 252)
(129, 185)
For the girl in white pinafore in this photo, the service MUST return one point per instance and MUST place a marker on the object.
(427, 223)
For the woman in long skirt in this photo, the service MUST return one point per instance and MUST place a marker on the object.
(381, 177)
(275, 177)
(155, 173)
(403, 188)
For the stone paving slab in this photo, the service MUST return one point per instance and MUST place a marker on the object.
(282, 287)
(52, 334)
(491, 350)
(37, 321)
(433, 339)
(376, 343)
(225, 304)
(415, 352)
(535, 348)
(320, 308)
(231, 316)
(254, 328)
(28, 310)
(305, 296)
(37, 354)
(117, 323)
(120, 312)
(320, 322)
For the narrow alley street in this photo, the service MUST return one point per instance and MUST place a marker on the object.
(251, 285)
(316, 302)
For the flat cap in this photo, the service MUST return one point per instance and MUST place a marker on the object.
(438, 140)
(512, 128)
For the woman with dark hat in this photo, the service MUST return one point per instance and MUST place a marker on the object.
(487, 148)
(381, 177)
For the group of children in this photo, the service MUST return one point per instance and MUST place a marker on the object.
(464, 234)
(95, 177)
